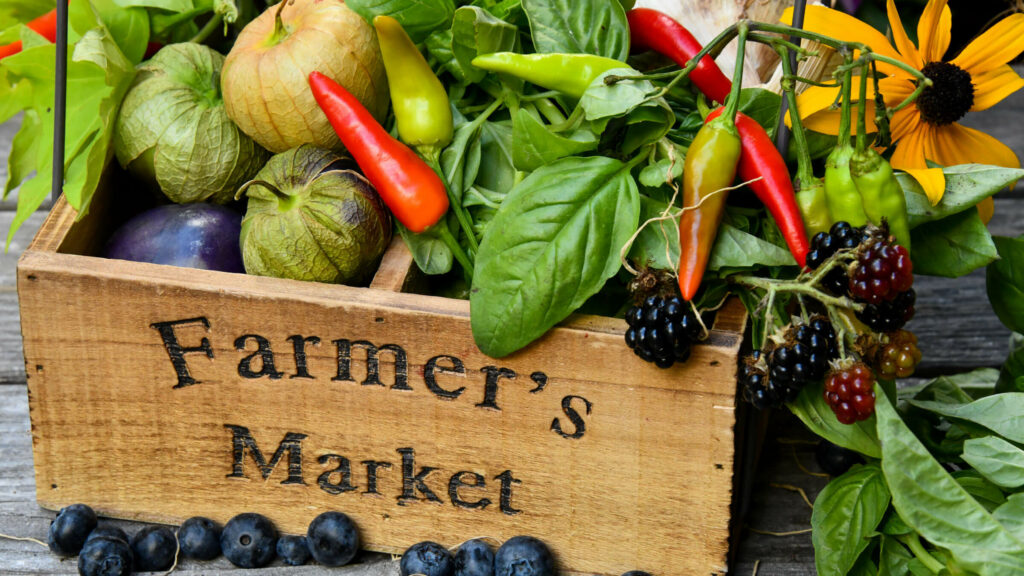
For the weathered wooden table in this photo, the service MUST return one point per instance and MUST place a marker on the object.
(954, 323)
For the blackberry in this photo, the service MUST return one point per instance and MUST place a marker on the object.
(842, 236)
(889, 315)
(663, 330)
(849, 391)
(897, 356)
(882, 272)
(804, 358)
(757, 388)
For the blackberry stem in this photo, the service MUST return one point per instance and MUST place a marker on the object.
(798, 287)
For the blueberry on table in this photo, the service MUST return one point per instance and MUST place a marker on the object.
(70, 528)
(636, 573)
(294, 550)
(835, 460)
(474, 558)
(524, 556)
(154, 548)
(107, 531)
(199, 538)
(427, 558)
(333, 539)
(249, 540)
(105, 556)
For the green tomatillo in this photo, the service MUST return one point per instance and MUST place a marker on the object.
(310, 218)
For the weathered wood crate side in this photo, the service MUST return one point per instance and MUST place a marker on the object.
(158, 393)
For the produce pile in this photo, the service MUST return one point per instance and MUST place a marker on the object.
(548, 157)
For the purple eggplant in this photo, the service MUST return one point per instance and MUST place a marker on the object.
(196, 235)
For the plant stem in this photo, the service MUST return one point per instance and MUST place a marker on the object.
(847, 106)
(212, 24)
(795, 287)
(453, 245)
(550, 112)
(862, 110)
(733, 101)
(914, 543)
(456, 204)
(805, 171)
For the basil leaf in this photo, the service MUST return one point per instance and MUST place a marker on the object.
(996, 459)
(169, 5)
(735, 248)
(896, 560)
(128, 27)
(953, 246)
(966, 185)
(845, 515)
(601, 101)
(14, 12)
(476, 32)
(646, 124)
(810, 407)
(429, 252)
(955, 388)
(497, 169)
(937, 507)
(1000, 413)
(1011, 375)
(1011, 514)
(553, 244)
(419, 18)
(537, 146)
(579, 26)
(984, 492)
(1004, 280)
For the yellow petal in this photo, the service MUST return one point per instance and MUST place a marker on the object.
(911, 149)
(895, 88)
(899, 35)
(997, 46)
(986, 208)
(842, 26)
(933, 31)
(991, 87)
(956, 144)
(932, 180)
(905, 122)
(814, 105)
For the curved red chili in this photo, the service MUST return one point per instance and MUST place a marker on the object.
(653, 30)
(407, 185)
(760, 159)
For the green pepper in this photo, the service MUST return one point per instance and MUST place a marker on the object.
(569, 74)
(882, 195)
(810, 197)
(844, 201)
(423, 115)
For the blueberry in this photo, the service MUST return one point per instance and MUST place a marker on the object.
(70, 528)
(427, 558)
(835, 460)
(108, 531)
(154, 548)
(105, 556)
(199, 538)
(333, 539)
(636, 573)
(474, 558)
(524, 556)
(294, 550)
(249, 540)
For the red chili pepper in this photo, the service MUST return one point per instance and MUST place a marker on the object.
(760, 159)
(409, 187)
(45, 26)
(653, 30)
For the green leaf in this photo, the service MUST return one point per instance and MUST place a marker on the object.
(476, 32)
(14, 12)
(646, 124)
(997, 460)
(952, 247)
(419, 18)
(966, 185)
(431, 254)
(169, 5)
(1001, 413)
(551, 246)
(601, 101)
(845, 515)
(128, 27)
(735, 248)
(1011, 514)
(955, 388)
(1011, 375)
(984, 492)
(536, 145)
(662, 171)
(579, 26)
(810, 407)
(896, 560)
(24, 151)
(1004, 280)
(937, 507)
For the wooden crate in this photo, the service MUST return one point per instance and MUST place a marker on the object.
(159, 393)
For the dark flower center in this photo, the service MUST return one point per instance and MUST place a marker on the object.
(949, 97)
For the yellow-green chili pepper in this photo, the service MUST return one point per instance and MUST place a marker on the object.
(881, 192)
(810, 197)
(422, 113)
(569, 74)
(844, 201)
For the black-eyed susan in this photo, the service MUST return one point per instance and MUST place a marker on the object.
(976, 79)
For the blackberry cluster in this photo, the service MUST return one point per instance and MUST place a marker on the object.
(882, 272)
(849, 391)
(842, 236)
(897, 356)
(802, 359)
(889, 315)
(663, 330)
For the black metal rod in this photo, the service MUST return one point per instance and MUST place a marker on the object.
(782, 131)
(60, 99)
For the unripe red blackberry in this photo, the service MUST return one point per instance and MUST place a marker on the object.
(882, 272)
(850, 392)
(897, 356)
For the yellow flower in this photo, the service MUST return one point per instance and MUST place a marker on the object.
(927, 130)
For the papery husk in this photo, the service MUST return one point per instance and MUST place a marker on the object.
(266, 89)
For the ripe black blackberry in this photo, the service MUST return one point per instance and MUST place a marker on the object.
(889, 315)
(662, 330)
(804, 357)
(756, 387)
(825, 244)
